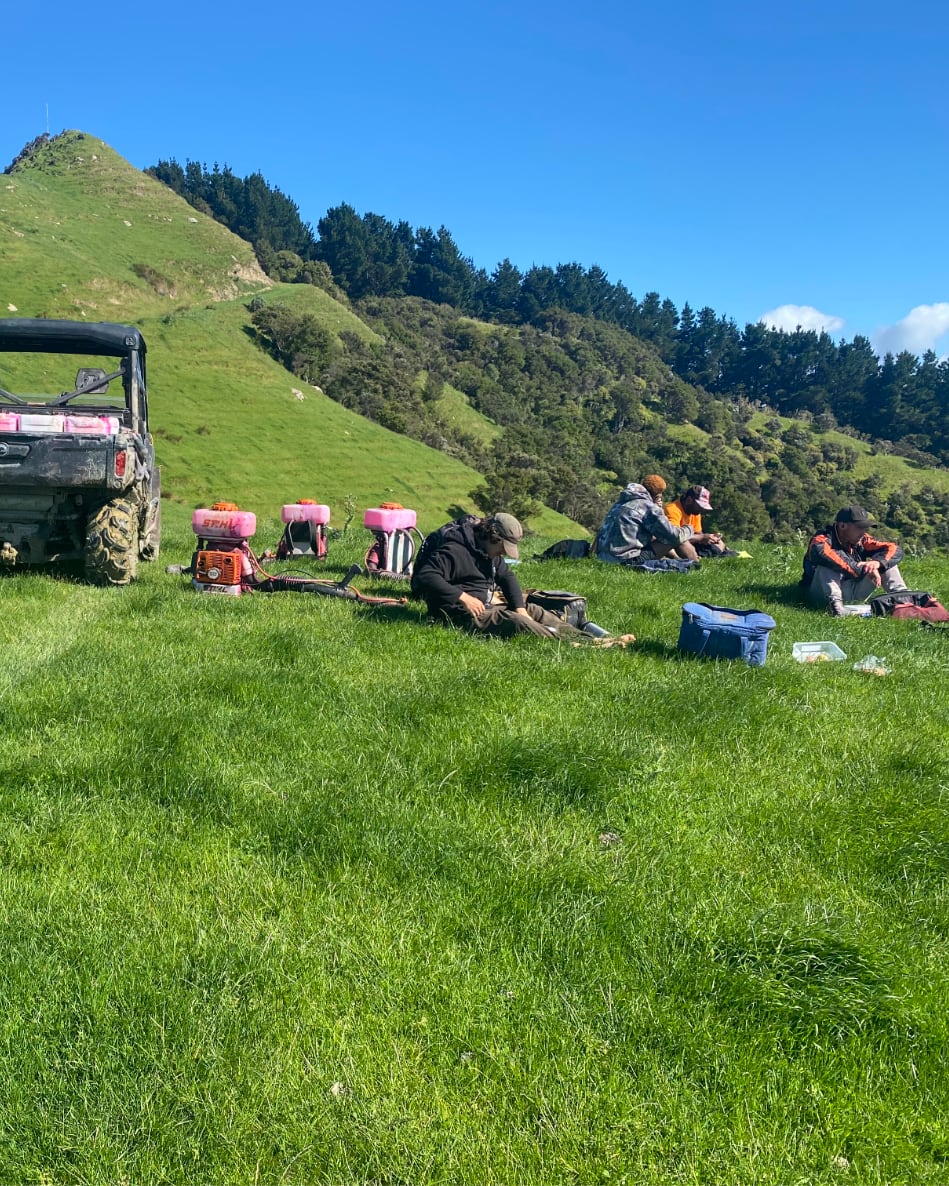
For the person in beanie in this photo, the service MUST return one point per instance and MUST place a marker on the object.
(844, 563)
(636, 528)
(462, 575)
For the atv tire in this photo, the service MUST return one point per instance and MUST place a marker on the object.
(111, 553)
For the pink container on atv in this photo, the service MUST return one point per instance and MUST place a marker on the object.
(223, 525)
(102, 425)
(389, 518)
(305, 512)
(9, 422)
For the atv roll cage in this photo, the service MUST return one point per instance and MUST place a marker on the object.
(105, 339)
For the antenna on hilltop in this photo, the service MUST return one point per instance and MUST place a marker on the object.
(47, 119)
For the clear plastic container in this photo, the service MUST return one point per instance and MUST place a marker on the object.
(871, 665)
(860, 609)
(817, 652)
(37, 422)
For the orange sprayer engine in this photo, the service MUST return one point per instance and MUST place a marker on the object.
(222, 562)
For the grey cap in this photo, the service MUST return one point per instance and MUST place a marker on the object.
(509, 530)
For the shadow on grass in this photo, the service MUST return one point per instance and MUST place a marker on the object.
(410, 612)
(656, 648)
(782, 594)
(66, 572)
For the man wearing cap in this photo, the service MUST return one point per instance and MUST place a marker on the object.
(636, 530)
(844, 563)
(686, 511)
(458, 570)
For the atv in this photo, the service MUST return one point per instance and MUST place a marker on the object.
(78, 480)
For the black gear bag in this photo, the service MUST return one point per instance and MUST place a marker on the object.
(569, 607)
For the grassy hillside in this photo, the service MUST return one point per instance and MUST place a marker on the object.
(84, 235)
(453, 409)
(301, 891)
(231, 423)
(888, 470)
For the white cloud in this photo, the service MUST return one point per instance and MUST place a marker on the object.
(918, 332)
(789, 317)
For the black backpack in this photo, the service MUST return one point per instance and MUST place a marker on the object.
(566, 549)
(431, 543)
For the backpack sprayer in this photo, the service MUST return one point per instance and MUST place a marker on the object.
(224, 563)
(305, 530)
(393, 548)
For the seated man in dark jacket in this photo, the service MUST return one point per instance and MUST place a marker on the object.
(462, 565)
(844, 563)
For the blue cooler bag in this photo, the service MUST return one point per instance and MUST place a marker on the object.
(718, 633)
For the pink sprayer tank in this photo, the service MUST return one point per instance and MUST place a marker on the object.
(212, 524)
(389, 518)
(305, 512)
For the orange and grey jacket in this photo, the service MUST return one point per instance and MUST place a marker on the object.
(826, 551)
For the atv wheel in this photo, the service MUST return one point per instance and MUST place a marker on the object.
(111, 555)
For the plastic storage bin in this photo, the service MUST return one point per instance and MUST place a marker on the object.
(816, 652)
(102, 425)
(389, 518)
(36, 422)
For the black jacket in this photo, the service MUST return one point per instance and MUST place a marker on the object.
(451, 563)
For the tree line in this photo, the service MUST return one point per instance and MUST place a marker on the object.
(902, 400)
(588, 383)
(585, 406)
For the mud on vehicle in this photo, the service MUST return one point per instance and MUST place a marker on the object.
(78, 480)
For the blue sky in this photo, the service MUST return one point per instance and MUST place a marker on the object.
(788, 161)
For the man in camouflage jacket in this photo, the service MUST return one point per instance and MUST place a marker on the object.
(636, 528)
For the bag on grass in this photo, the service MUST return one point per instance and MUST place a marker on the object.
(569, 607)
(909, 603)
(714, 632)
(566, 549)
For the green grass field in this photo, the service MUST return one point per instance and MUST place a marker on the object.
(300, 891)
